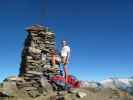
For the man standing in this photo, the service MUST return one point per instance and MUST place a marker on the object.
(65, 54)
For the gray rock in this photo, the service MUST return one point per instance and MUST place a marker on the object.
(9, 87)
(14, 78)
(46, 85)
(34, 72)
(33, 93)
(81, 94)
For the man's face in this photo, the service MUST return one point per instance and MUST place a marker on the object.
(63, 43)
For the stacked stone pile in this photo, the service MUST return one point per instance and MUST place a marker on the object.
(36, 52)
(36, 58)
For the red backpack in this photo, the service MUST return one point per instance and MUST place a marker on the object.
(73, 81)
(58, 82)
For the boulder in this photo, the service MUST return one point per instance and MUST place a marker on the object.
(81, 94)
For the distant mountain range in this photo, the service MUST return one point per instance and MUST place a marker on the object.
(124, 84)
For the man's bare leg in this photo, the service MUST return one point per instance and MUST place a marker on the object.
(65, 68)
(53, 60)
(66, 72)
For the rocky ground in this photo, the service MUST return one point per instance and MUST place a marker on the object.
(10, 91)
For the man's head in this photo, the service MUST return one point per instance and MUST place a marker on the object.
(64, 43)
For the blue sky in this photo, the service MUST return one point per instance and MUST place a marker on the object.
(100, 34)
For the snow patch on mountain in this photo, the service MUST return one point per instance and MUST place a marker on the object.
(125, 84)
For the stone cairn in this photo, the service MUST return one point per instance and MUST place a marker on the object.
(35, 65)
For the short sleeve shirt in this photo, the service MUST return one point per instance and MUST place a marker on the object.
(65, 50)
